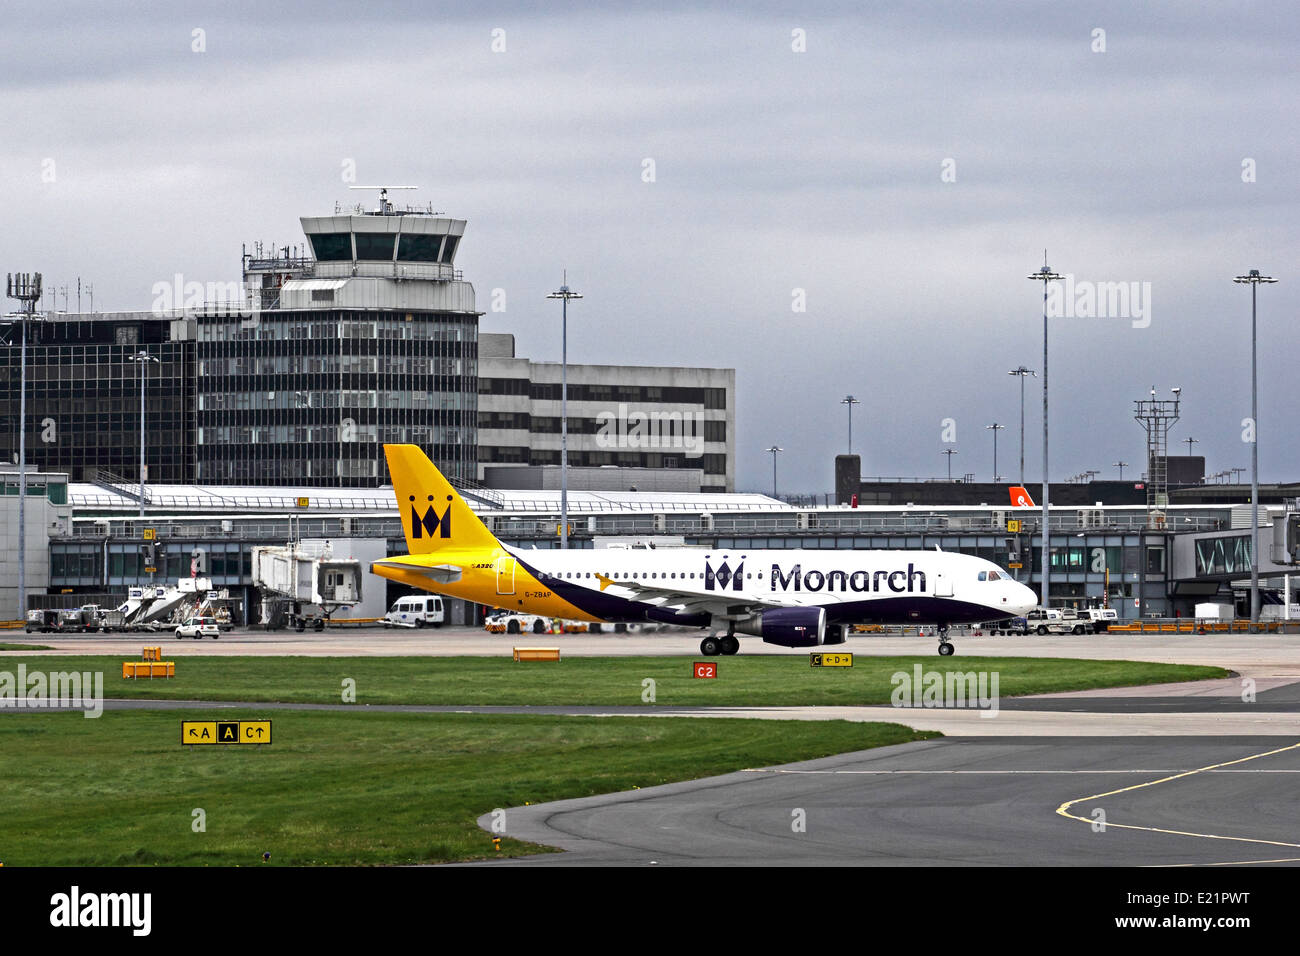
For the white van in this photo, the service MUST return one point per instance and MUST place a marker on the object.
(421, 611)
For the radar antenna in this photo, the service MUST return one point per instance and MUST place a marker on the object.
(385, 207)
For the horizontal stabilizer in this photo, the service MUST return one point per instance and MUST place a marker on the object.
(442, 573)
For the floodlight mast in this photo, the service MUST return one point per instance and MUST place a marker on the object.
(1021, 371)
(774, 449)
(1253, 278)
(1045, 275)
(564, 294)
(26, 288)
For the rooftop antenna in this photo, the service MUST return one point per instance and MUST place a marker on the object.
(385, 207)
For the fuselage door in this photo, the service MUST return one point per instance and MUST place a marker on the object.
(942, 583)
(505, 575)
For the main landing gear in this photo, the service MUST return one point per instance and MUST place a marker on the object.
(945, 646)
(716, 644)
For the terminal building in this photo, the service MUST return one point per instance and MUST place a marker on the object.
(93, 536)
(297, 377)
(266, 420)
(368, 334)
(630, 427)
(373, 339)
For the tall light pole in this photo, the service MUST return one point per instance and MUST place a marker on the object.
(1190, 442)
(142, 358)
(1254, 278)
(1022, 372)
(26, 288)
(948, 453)
(1045, 275)
(1121, 465)
(564, 295)
(995, 428)
(774, 449)
(850, 401)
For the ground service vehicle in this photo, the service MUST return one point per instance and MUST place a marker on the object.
(1092, 620)
(416, 611)
(1043, 620)
(508, 623)
(198, 628)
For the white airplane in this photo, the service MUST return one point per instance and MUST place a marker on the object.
(792, 598)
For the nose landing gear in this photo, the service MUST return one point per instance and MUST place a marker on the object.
(945, 646)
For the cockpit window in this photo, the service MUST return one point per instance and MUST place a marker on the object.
(984, 575)
(994, 576)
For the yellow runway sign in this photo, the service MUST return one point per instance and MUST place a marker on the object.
(255, 732)
(830, 660)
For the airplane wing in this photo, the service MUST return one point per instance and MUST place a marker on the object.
(442, 573)
(687, 600)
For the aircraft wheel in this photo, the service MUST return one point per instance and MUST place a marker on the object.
(709, 647)
(730, 645)
(946, 649)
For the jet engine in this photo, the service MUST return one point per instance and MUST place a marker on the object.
(787, 626)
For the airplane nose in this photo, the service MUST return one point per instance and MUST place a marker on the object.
(1026, 599)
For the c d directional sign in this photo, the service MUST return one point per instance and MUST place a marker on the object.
(831, 660)
(196, 732)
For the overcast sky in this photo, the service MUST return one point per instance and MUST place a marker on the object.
(905, 171)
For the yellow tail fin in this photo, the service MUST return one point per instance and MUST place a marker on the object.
(434, 517)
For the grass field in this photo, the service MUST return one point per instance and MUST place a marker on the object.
(742, 681)
(24, 647)
(343, 788)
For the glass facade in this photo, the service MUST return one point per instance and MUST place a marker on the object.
(1229, 554)
(291, 397)
(310, 397)
(83, 399)
(651, 397)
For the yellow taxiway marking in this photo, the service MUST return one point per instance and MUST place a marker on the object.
(1064, 809)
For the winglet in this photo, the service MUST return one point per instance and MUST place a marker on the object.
(1020, 498)
(434, 516)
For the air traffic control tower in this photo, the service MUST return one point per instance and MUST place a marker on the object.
(370, 339)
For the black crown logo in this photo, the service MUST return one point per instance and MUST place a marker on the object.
(432, 522)
(724, 575)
